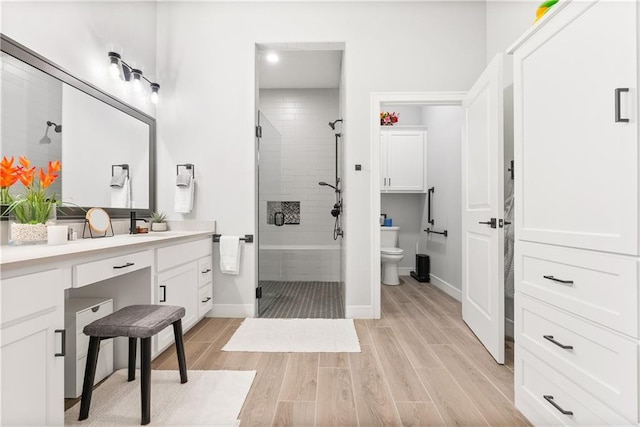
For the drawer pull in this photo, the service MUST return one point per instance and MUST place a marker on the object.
(164, 293)
(566, 282)
(206, 300)
(550, 338)
(63, 336)
(95, 309)
(129, 264)
(618, 117)
(206, 271)
(555, 405)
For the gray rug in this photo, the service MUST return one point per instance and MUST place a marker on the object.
(302, 300)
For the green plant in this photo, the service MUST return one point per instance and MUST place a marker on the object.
(158, 216)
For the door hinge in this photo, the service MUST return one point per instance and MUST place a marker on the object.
(258, 131)
(259, 292)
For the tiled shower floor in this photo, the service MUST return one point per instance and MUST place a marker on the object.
(288, 300)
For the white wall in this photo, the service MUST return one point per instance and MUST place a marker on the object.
(444, 172)
(78, 35)
(506, 22)
(208, 106)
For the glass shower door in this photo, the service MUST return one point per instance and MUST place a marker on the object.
(269, 189)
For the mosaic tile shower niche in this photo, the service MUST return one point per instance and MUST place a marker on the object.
(291, 211)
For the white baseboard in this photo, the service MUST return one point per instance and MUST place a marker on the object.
(231, 310)
(446, 287)
(405, 271)
(359, 312)
(508, 327)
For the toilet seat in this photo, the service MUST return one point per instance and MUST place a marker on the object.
(391, 251)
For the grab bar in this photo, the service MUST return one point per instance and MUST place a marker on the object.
(429, 193)
(445, 233)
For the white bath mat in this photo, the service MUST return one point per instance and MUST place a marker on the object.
(295, 335)
(209, 398)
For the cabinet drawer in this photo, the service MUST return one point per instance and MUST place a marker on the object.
(535, 379)
(205, 300)
(175, 255)
(600, 361)
(41, 290)
(95, 312)
(92, 272)
(603, 289)
(205, 269)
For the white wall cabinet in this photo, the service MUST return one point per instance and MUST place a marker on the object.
(576, 256)
(403, 161)
(32, 349)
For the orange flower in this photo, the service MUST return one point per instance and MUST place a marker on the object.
(8, 173)
(26, 176)
(48, 178)
(53, 166)
(24, 162)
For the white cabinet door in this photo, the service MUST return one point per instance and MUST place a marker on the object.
(482, 210)
(32, 364)
(403, 161)
(577, 167)
(179, 286)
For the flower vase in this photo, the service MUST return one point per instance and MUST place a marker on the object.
(28, 226)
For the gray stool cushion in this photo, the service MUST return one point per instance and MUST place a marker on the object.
(135, 321)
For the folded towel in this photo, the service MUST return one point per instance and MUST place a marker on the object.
(184, 197)
(120, 196)
(230, 254)
(183, 179)
(117, 180)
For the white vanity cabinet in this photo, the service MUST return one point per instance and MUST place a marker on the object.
(180, 272)
(576, 251)
(32, 349)
(403, 161)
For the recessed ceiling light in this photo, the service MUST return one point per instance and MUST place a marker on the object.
(273, 57)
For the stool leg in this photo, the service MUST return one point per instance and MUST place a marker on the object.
(89, 377)
(132, 359)
(182, 363)
(145, 379)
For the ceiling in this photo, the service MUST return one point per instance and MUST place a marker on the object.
(299, 69)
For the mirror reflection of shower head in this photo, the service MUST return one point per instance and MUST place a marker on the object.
(333, 124)
(45, 139)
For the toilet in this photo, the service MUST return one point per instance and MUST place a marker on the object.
(390, 255)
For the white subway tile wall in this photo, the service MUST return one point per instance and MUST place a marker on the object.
(30, 98)
(294, 157)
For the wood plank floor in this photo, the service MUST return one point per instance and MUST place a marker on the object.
(419, 365)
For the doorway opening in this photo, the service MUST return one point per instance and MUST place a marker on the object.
(299, 190)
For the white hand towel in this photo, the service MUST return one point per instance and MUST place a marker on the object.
(183, 179)
(230, 254)
(184, 197)
(120, 196)
(118, 179)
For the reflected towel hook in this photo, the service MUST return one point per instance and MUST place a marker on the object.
(124, 167)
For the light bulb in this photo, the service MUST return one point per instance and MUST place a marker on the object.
(154, 92)
(136, 78)
(114, 64)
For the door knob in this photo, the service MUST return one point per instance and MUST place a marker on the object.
(492, 223)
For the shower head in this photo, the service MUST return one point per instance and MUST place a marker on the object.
(57, 128)
(323, 184)
(333, 124)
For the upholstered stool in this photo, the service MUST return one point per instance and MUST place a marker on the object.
(135, 321)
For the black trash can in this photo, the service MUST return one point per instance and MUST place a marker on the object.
(422, 268)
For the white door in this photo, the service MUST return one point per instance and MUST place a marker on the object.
(482, 210)
(179, 286)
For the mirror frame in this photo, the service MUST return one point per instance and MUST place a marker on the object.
(26, 55)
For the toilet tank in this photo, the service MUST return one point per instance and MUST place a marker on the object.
(389, 237)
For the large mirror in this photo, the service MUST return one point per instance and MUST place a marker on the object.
(106, 147)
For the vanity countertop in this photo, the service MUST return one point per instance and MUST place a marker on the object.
(19, 255)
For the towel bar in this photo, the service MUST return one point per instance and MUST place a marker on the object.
(248, 238)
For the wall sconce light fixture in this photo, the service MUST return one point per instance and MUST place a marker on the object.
(119, 69)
